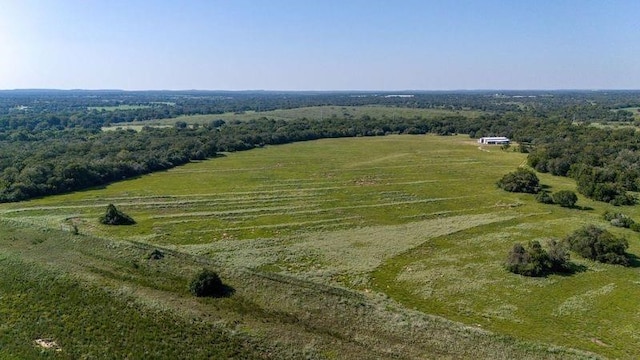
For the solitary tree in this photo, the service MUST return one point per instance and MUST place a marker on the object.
(521, 180)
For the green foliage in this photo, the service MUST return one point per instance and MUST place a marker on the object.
(600, 185)
(597, 244)
(558, 256)
(544, 197)
(619, 220)
(535, 261)
(113, 216)
(207, 283)
(565, 198)
(522, 180)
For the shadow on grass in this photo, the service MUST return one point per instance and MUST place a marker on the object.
(585, 208)
(225, 291)
(570, 269)
(634, 261)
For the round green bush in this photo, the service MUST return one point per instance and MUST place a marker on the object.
(206, 283)
(565, 198)
(544, 197)
(521, 180)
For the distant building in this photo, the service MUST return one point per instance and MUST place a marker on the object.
(494, 140)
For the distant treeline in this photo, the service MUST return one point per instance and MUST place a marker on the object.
(38, 110)
(51, 142)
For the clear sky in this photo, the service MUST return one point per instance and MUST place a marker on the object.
(320, 44)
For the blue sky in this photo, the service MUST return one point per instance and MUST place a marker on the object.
(320, 45)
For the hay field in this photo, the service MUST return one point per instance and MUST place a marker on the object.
(415, 221)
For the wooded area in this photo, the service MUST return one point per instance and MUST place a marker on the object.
(52, 142)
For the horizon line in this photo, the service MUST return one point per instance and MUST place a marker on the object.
(323, 91)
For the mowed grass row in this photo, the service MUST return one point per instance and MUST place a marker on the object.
(286, 190)
(418, 218)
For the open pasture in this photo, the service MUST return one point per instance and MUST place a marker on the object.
(415, 218)
(311, 113)
(118, 107)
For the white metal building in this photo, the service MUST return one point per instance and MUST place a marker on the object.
(494, 140)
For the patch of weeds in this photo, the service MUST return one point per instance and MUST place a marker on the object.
(156, 254)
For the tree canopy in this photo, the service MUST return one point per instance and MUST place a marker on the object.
(597, 244)
(522, 180)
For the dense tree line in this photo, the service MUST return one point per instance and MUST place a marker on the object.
(51, 142)
(604, 162)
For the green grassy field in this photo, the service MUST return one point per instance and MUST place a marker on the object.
(311, 113)
(338, 248)
(118, 107)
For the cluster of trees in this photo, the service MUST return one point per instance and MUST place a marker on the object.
(76, 159)
(604, 162)
(564, 198)
(590, 242)
(534, 260)
(621, 220)
(597, 244)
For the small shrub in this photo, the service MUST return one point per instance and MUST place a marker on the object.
(635, 227)
(624, 199)
(114, 216)
(544, 197)
(156, 255)
(207, 283)
(521, 180)
(597, 244)
(565, 198)
(619, 219)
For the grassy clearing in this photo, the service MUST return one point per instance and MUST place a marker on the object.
(461, 277)
(634, 110)
(118, 107)
(129, 126)
(313, 113)
(415, 218)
